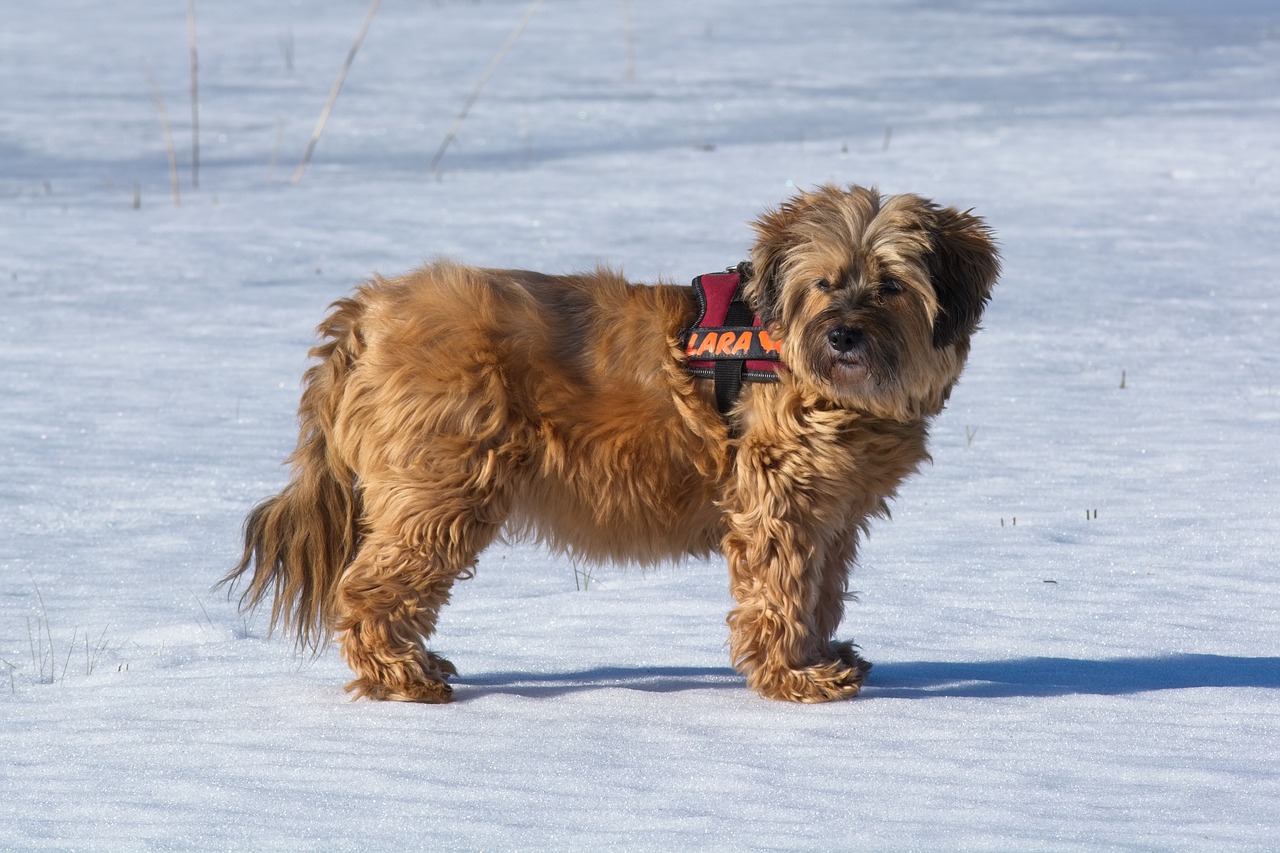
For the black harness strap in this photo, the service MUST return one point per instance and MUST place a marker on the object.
(727, 343)
(728, 372)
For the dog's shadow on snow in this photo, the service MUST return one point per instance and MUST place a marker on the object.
(1039, 676)
(651, 679)
(1052, 676)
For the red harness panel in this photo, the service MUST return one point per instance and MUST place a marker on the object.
(727, 330)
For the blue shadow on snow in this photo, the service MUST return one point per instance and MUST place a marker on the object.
(1046, 676)
(655, 679)
(1039, 676)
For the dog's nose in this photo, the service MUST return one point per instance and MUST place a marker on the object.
(844, 339)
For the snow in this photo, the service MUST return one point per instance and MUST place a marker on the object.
(1046, 678)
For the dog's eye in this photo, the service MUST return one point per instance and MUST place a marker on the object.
(890, 287)
(823, 285)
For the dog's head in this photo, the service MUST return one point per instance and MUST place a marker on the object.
(873, 297)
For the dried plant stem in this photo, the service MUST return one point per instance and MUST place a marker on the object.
(71, 647)
(479, 87)
(44, 617)
(31, 639)
(168, 136)
(333, 93)
(195, 95)
(92, 662)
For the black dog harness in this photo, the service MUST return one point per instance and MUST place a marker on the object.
(727, 343)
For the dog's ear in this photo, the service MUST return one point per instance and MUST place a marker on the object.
(964, 267)
(775, 237)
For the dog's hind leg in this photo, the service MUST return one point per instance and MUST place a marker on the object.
(421, 534)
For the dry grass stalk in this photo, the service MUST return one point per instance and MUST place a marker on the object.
(195, 96)
(333, 93)
(479, 87)
(158, 96)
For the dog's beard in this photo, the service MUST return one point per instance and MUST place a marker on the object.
(851, 369)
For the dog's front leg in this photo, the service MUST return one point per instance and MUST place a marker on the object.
(833, 593)
(782, 572)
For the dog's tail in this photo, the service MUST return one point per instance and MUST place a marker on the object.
(299, 541)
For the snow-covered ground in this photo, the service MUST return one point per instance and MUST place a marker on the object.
(1074, 613)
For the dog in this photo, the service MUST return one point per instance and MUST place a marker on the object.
(455, 405)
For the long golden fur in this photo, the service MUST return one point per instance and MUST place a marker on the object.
(455, 403)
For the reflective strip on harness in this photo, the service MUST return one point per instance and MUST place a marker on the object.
(731, 342)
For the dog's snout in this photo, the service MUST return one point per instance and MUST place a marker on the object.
(844, 338)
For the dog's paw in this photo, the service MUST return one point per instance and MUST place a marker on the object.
(824, 682)
(427, 692)
(423, 678)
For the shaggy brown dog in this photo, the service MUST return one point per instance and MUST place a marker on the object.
(456, 403)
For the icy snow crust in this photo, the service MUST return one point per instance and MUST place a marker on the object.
(1101, 673)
